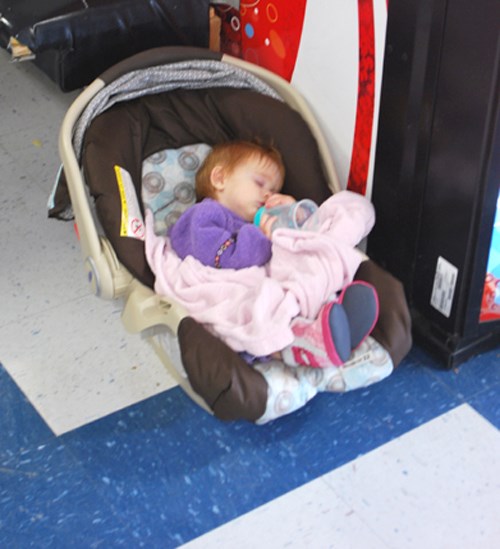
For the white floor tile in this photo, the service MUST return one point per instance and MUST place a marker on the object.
(436, 487)
(41, 263)
(77, 364)
(28, 97)
(310, 517)
(67, 350)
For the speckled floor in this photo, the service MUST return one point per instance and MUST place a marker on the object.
(99, 448)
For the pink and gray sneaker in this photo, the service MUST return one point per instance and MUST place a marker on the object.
(341, 326)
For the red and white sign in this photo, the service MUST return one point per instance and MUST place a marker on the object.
(332, 52)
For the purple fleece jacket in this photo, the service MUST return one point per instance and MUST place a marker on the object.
(219, 238)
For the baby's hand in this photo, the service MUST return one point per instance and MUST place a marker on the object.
(278, 199)
(266, 224)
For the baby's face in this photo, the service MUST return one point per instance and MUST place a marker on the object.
(249, 185)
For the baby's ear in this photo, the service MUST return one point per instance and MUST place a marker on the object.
(217, 178)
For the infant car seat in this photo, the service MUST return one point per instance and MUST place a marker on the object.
(167, 99)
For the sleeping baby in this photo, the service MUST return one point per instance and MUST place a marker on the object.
(236, 180)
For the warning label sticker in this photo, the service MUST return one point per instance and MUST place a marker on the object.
(443, 289)
(132, 223)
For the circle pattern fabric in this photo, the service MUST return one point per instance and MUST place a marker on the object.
(168, 179)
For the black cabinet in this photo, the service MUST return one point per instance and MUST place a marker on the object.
(437, 171)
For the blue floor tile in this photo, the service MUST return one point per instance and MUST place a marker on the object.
(47, 500)
(165, 466)
(163, 472)
(340, 427)
(477, 374)
(172, 471)
(20, 426)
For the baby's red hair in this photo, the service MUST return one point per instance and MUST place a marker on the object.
(229, 155)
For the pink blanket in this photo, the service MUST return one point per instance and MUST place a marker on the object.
(251, 309)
